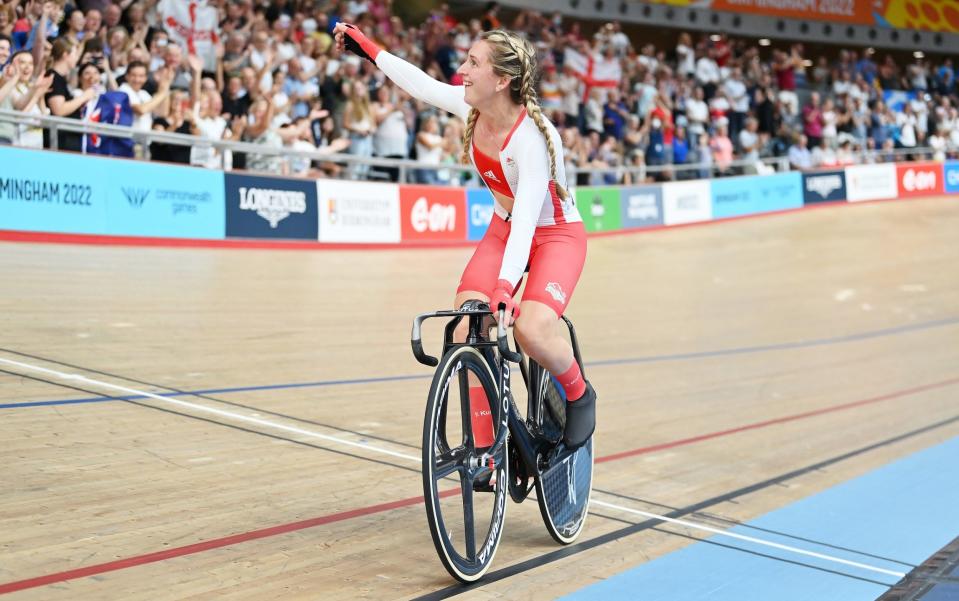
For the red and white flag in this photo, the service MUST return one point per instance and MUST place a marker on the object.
(194, 25)
(594, 70)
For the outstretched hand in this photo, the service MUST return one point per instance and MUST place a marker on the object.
(349, 37)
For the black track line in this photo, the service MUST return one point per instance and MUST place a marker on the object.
(547, 558)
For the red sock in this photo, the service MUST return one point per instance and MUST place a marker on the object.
(572, 382)
(481, 418)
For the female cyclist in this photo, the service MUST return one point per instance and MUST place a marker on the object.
(518, 153)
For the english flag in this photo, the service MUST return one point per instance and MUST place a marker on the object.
(194, 26)
(594, 70)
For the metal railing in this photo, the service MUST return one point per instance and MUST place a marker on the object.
(404, 167)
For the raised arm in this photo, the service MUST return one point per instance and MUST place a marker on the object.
(411, 79)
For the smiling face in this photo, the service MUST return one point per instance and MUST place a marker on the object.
(481, 83)
(89, 77)
(24, 65)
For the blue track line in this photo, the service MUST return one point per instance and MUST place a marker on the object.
(601, 363)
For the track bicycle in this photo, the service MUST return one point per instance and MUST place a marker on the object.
(466, 520)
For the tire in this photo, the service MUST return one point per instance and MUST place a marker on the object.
(564, 487)
(482, 492)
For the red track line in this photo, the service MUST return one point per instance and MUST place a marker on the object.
(779, 420)
(217, 543)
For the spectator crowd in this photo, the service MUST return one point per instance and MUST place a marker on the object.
(265, 72)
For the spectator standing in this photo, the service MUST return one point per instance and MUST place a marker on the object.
(697, 116)
(829, 117)
(259, 128)
(686, 56)
(141, 101)
(429, 149)
(391, 140)
(738, 96)
(358, 121)
(59, 99)
(707, 73)
(750, 142)
(722, 150)
(812, 120)
(8, 82)
(784, 67)
(27, 97)
(615, 114)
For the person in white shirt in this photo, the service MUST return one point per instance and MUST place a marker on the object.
(141, 101)
(697, 113)
(738, 97)
(708, 74)
(686, 55)
(749, 142)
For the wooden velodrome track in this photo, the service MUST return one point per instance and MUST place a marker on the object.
(740, 366)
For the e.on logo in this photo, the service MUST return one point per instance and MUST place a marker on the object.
(431, 213)
(433, 218)
(920, 179)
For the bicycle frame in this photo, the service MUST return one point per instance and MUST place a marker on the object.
(528, 445)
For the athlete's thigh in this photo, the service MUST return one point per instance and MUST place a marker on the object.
(559, 253)
(483, 269)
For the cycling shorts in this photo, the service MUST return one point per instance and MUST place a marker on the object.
(556, 260)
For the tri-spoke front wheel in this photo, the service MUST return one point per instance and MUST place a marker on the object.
(465, 496)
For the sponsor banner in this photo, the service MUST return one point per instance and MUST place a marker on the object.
(60, 192)
(432, 213)
(823, 186)
(842, 11)
(479, 207)
(599, 208)
(149, 199)
(52, 192)
(269, 207)
(928, 15)
(687, 202)
(358, 211)
(871, 182)
(951, 176)
(920, 179)
(642, 206)
(735, 196)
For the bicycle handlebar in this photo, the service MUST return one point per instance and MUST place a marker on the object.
(416, 338)
(502, 342)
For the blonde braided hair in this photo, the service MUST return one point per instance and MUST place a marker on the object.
(514, 57)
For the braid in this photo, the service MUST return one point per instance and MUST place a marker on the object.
(510, 49)
(536, 113)
(527, 90)
(468, 134)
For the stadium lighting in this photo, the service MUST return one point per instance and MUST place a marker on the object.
(918, 54)
(715, 37)
(764, 42)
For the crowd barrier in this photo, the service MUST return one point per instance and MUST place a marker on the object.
(55, 192)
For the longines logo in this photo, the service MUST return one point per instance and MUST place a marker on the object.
(272, 205)
(136, 196)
